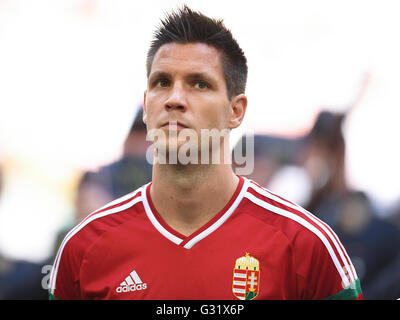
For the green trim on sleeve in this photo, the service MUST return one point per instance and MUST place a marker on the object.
(349, 293)
(52, 296)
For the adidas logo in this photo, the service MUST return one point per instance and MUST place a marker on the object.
(131, 283)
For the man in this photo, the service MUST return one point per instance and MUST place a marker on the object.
(198, 231)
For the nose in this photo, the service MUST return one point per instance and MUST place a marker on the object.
(177, 98)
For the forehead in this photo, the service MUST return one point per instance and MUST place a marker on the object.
(198, 57)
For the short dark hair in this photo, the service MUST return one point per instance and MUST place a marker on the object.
(188, 26)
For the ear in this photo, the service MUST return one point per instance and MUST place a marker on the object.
(144, 107)
(238, 110)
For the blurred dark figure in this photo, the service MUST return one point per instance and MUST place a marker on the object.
(270, 154)
(89, 196)
(324, 162)
(97, 188)
(372, 244)
(20, 280)
(316, 167)
(132, 170)
(394, 215)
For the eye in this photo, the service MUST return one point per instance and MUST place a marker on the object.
(163, 83)
(201, 85)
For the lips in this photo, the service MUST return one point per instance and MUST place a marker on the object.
(174, 125)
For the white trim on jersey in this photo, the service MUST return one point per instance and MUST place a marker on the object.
(93, 216)
(342, 251)
(154, 221)
(221, 220)
(118, 200)
(204, 233)
(307, 225)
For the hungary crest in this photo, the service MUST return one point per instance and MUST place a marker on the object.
(246, 278)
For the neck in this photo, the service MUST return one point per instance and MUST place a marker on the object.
(188, 196)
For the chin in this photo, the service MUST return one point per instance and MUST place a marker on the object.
(173, 152)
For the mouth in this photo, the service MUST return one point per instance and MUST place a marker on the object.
(174, 125)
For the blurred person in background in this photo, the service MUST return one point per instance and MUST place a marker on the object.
(96, 188)
(132, 170)
(372, 243)
(323, 159)
(386, 283)
(89, 196)
(276, 158)
(313, 167)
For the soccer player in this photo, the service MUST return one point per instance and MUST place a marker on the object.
(198, 230)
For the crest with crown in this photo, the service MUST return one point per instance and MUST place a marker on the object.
(246, 277)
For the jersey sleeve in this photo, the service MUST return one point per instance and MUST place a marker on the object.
(325, 270)
(65, 277)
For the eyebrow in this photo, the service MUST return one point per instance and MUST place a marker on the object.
(201, 75)
(159, 74)
(190, 76)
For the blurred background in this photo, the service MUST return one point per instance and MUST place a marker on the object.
(323, 101)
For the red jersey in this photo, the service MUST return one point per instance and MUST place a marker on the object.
(259, 246)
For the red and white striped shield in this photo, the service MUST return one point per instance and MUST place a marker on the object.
(246, 278)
